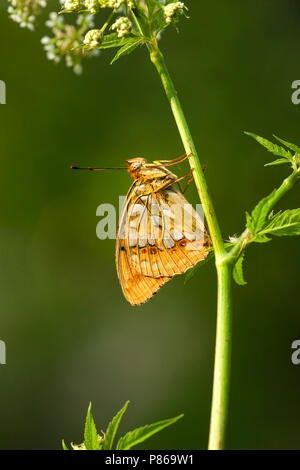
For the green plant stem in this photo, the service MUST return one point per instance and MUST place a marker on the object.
(223, 264)
(219, 409)
(108, 20)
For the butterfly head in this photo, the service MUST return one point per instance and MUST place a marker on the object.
(134, 165)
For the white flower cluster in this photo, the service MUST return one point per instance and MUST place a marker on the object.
(24, 12)
(66, 40)
(116, 3)
(172, 11)
(93, 6)
(93, 38)
(111, 3)
(122, 26)
(73, 5)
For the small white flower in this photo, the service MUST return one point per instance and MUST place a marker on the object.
(122, 26)
(25, 11)
(73, 5)
(45, 39)
(172, 11)
(93, 6)
(92, 38)
(111, 3)
(77, 69)
(90, 21)
(50, 55)
(49, 47)
(69, 61)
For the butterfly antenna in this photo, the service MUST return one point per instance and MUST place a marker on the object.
(96, 169)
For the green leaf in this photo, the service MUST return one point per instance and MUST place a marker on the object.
(238, 274)
(151, 5)
(112, 40)
(113, 427)
(129, 47)
(140, 19)
(139, 435)
(259, 215)
(280, 161)
(158, 22)
(282, 224)
(91, 439)
(64, 445)
(261, 239)
(273, 148)
(291, 146)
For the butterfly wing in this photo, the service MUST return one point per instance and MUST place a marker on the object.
(137, 288)
(168, 237)
(160, 235)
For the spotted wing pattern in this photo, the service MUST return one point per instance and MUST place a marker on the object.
(160, 235)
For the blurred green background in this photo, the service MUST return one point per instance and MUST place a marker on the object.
(71, 337)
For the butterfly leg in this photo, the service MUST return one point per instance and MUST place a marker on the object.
(184, 177)
(187, 184)
(180, 189)
(190, 180)
(175, 162)
(179, 161)
(169, 161)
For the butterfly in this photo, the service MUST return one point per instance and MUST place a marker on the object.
(160, 234)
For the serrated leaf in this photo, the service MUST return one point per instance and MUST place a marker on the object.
(113, 427)
(91, 439)
(259, 215)
(64, 445)
(271, 147)
(238, 274)
(261, 239)
(280, 161)
(112, 40)
(139, 435)
(285, 223)
(289, 145)
(129, 47)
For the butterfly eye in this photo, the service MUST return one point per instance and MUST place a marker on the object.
(136, 165)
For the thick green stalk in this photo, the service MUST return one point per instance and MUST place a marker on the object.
(224, 267)
(221, 383)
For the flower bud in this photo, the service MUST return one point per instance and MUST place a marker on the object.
(92, 6)
(73, 5)
(122, 26)
(93, 38)
(173, 11)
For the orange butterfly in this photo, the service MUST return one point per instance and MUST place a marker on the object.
(160, 234)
